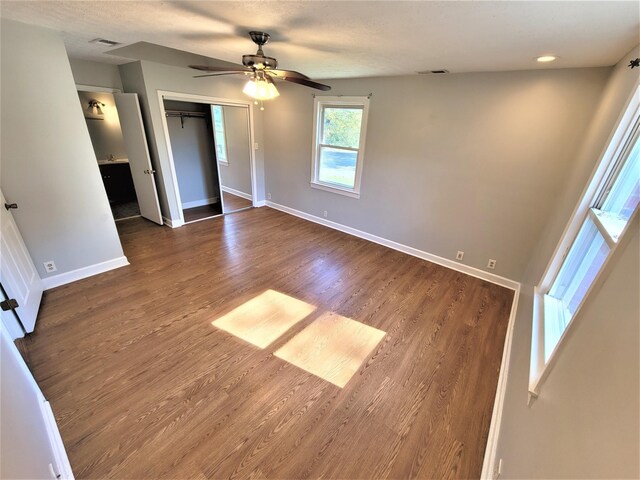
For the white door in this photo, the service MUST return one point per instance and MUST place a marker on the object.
(30, 443)
(135, 142)
(18, 274)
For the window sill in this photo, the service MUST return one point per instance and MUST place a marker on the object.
(550, 326)
(338, 190)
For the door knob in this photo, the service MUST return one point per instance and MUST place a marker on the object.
(149, 172)
(9, 206)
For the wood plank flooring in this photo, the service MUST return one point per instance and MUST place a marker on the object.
(234, 202)
(202, 212)
(143, 386)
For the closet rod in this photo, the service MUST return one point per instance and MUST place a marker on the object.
(177, 113)
(183, 115)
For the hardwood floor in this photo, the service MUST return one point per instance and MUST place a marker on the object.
(234, 202)
(144, 386)
(202, 212)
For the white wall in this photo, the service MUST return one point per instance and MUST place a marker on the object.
(585, 422)
(146, 79)
(237, 174)
(48, 165)
(469, 162)
(106, 134)
(86, 72)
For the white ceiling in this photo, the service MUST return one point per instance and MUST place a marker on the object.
(354, 39)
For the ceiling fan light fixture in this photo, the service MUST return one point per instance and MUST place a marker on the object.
(260, 89)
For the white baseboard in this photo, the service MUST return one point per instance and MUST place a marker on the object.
(490, 452)
(84, 272)
(260, 203)
(200, 203)
(235, 192)
(172, 223)
(63, 467)
(445, 262)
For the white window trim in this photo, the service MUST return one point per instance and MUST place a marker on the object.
(318, 103)
(542, 311)
(224, 162)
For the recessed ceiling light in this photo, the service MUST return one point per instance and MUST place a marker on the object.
(546, 58)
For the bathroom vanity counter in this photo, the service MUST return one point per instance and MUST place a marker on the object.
(110, 162)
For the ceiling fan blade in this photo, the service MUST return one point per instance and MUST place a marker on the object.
(287, 73)
(219, 74)
(307, 83)
(207, 68)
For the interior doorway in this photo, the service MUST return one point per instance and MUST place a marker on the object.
(210, 145)
(114, 122)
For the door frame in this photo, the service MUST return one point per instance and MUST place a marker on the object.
(188, 97)
(113, 91)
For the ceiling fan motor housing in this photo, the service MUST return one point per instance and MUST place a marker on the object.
(259, 61)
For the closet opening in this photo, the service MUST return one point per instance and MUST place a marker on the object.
(191, 135)
(210, 144)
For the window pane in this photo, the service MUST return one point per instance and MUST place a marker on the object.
(338, 166)
(622, 199)
(584, 261)
(341, 126)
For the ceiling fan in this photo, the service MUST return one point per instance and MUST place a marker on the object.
(263, 70)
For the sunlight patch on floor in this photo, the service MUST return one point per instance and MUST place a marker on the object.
(333, 347)
(264, 318)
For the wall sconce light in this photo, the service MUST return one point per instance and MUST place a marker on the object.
(94, 110)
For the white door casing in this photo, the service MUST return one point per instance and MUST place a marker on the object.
(135, 142)
(18, 274)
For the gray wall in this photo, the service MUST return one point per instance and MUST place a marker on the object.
(237, 174)
(48, 164)
(470, 162)
(106, 135)
(146, 78)
(86, 72)
(585, 422)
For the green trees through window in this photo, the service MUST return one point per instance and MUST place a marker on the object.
(341, 127)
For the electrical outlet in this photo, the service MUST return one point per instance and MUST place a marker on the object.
(50, 266)
(268, 196)
(459, 255)
(497, 472)
(491, 264)
(325, 214)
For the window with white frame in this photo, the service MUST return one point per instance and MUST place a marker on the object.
(339, 130)
(219, 135)
(601, 219)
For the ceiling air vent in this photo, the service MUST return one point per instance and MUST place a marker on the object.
(433, 72)
(104, 41)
